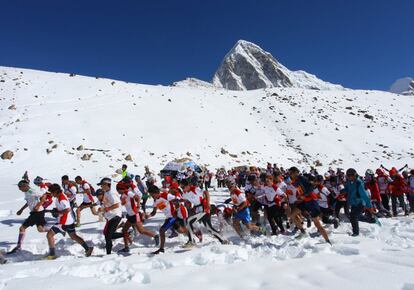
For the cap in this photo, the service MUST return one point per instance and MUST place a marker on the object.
(105, 180)
(38, 180)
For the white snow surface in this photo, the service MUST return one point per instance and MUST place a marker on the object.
(156, 124)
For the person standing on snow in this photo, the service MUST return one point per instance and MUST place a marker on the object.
(357, 198)
(410, 185)
(372, 186)
(383, 180)
(397, 189)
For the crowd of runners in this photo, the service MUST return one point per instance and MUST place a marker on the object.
(256, 201)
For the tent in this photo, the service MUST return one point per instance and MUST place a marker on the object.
(177, 165)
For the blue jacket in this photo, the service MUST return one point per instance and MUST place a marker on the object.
(357, 195)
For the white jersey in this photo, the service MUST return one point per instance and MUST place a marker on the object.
(273, 194)
(135, 189)
(195, 197)
(109, 200)
(70, 191)
(337, 189)
(62, 203)
(163, 203)
(128, 200)
(237, 197)
(282, 185)
(83, 188)
(291, 192)
(32, 198)
(322, 194)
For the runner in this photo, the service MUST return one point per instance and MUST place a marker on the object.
(34, 201)
(274, 198)
(241, 211)
(70, 189)
(144, 192)
(110, 205)
(65, 223)
(130, 200)
(44, 190)
(87, 190)
(198, 205)
(325, 202)
(307, 200)
(164, 202)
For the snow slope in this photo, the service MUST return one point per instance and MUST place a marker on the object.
(247, 67)
(156, 124)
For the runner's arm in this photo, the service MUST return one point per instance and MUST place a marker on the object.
(19, 212)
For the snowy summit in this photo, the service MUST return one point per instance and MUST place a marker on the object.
(404, 86)
(248, 67)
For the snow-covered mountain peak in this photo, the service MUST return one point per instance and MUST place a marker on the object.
(247, 67)
(404, 86)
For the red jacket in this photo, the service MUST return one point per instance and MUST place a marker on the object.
(374, 189)
(398, 186)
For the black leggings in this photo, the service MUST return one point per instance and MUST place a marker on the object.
(341, 204)
(206, 220)
(356, 211)
(401, 202)
(385, 199)
(144, 202)
(111, 234)
(275, 217)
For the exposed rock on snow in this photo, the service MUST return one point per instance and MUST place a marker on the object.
(249, 67)
(7, 155)
(86, 157)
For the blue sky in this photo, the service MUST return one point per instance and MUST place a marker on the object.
(360, 44)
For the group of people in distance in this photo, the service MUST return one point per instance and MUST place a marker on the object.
(288, 201)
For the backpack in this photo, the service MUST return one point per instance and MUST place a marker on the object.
(90, 187)
(74, 184)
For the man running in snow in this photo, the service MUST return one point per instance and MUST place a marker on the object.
(65, 223)
(44, 190)
(70, 190)
(34, 201)
(130, 200)
(307, 200)
(110, 206)
(198, 205)
(164, 201)
(324, 197)
(241, 211)
(274, 197)
(86, 189)
(144, 192)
